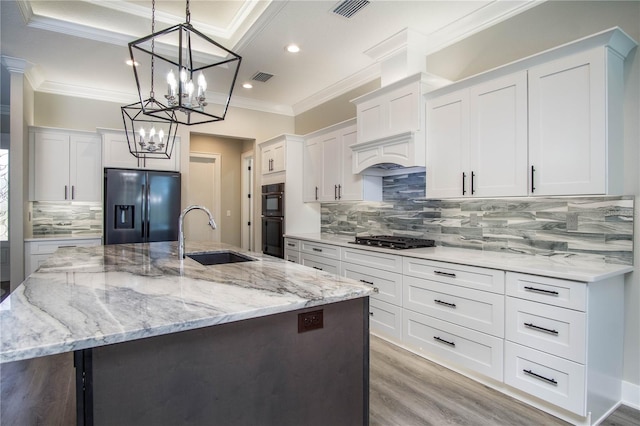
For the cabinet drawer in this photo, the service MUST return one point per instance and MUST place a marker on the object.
(553, 291)
(451, 273)
(49, 247)
(556, 380)
(385, 319)
(320, 263)
(558, 331)
(290, 244)
(320, 249)
(389, 284)
(468, 348)
(479, 310)
(292, 256)
(373, 259)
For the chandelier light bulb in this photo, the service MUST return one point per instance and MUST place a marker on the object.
(152, 133)
(161, 135)
(142, 133)
(202, 82)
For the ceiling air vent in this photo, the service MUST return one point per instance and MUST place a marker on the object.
(261, 76)
(348, 8)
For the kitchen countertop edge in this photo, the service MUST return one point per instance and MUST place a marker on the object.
(556, 267)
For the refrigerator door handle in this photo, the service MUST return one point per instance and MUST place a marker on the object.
(143, 213)
(148, 219)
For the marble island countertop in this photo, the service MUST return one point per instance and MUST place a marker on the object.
(91, 296)
(564, 267)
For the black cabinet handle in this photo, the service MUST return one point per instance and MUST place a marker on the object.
(291, 244)
(442, 302)
(541, 290)
(464, 177)
(538, 376)
(65, 192)
(533, 171)
(316, 249)
(473, 175)
(335, 192)
(371, 314)
(73, 192)
(537, 327)
(444, 341)
(339, 192)
(446, 274)
(366, 282)
(315, 267)
(316, 193)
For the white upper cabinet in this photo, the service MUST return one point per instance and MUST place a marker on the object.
(115, 153)
(390, 124)
(568, 117)
(447, 145)
(65, 165)
(273, 157)
(550, 124)
(498, 137)
(328, 174)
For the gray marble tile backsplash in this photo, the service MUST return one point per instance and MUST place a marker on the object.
(65, 219)
(598, 228)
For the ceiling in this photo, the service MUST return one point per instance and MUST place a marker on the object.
(79, 47)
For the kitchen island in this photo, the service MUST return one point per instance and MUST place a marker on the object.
(163, 341)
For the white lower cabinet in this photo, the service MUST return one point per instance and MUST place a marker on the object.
(556, 340)
(320, 263)
(564, 341)
(478, 310)
(551, 378)
(456, 344)
(292, 250)
(36, 253)
(385, 319)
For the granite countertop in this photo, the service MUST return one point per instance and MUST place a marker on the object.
(564, 267)
(91, 296)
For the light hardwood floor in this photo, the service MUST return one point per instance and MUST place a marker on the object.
(406, 390)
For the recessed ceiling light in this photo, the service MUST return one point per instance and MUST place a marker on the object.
(293, 48)
(247, 85)
(131, 63)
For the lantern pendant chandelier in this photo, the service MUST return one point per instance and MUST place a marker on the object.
(192, 63)
(150, 136)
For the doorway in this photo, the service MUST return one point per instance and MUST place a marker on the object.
(247, 200)
(203, 188)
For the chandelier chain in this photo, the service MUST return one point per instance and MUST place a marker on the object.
(153, 44)
(188, 13)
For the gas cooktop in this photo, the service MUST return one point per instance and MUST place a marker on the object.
(394, 242)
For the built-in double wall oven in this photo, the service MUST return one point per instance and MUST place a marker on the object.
(273, 219)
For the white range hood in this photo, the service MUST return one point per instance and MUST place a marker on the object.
(391, 120)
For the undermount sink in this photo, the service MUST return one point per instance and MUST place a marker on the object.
(219, 257)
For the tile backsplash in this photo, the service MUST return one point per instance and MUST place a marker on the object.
(64, 219)
(598, 228)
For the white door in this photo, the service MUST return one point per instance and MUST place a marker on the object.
(203, 189)
(248, 222)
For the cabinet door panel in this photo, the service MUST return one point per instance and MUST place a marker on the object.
(51, 167)
(404, 107)
(351, 183)
(86, 168)
(331, 152)
(447, 139)
(312, 175)
(370, 120)
(567, 131)
(498, 137)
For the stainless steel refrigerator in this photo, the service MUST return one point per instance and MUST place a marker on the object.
(140, 206)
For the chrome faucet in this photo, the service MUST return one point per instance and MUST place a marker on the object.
(212, 224)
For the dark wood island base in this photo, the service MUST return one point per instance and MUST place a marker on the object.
(261, 371)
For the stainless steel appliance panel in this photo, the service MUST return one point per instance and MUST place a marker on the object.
(140, 206)
(273, 236)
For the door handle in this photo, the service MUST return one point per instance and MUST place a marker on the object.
(464, 176)
(66, 192)
(73, 192)
(533, 171)
(316, 193)
(473, 175)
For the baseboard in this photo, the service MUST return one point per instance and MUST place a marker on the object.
(631, 395)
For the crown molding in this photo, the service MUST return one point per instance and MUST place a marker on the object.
(86, 92)
(14, 65)
(343, 86)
